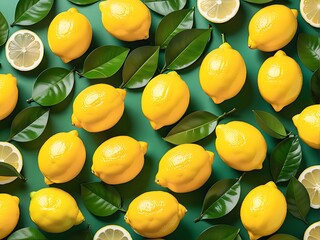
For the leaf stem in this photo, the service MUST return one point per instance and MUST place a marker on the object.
(226, 113)
(30, 100)
(223, 38)
(122, 210)
(198, 219)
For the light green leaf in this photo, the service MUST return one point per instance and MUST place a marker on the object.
(165, 7)
(10, 171)
(83, 2)
(309, 50)
(4, 30)
(28, 233)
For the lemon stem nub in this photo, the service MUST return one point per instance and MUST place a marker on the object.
(223, 38)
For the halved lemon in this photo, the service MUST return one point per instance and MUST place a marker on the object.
(218, 11)
(11, 155)
(310, 178)
(312, 232)
(112, 232)
(310, 11)
(24, 50)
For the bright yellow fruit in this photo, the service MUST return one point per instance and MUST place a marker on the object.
(9, 214)
(308, 125)
(119, 159)
(185, 168)
(154, 214)
(54, 210)
(69, 35)
(280, 80)
(8, 94)
(98, 107)
(222, 73)
(127, 20)
(272, 28)
(61, 157)
(263, 210)
(241, 145)
(165, 99)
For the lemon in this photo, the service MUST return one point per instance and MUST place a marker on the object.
(112, 232)
(119, 159)
(165, 99)
(127, 20)
(312, 232)
(69, 35)
(218, 11)
(185, 168)
(272, 28)
(9, 214)
(280, 80)
(8, 95)
(154, 214)
(98, 107)
(308, 125)
(263, 210)
(61, 157)
(54, 210)
(310, 178)
(222, 73)
(241, 145)
(24, 50)
(310, 11)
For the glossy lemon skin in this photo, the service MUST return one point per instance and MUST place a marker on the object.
(154, 214)
(119, 159)
(222, 73)
(127, 20)
(272, 28)
(54, 210)
(9, 214)
(308, 125)
(8, 94)
(165, 99)
(69, 35)
(263, 210)
(98, 107)
(185, 168)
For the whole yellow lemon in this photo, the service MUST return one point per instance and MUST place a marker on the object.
(9, 214)
(8, 94)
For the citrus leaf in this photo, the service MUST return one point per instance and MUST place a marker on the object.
(185, 48)
(172, 24)
(140, 66)
(285, 159)
(52, 86)
(104, 61)
(315, 86)
(220, 232)
(85, 234)
(28, 233)
(270, 124)
(29, 12)
(83, 2)
(309, 50)
(259, 1)
(100, 199)
(4, 29)
(165, 7)
(298, 200)
(10, 171)
(282, 237)
(29, 124)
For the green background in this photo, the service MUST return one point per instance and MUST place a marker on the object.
(133, 122)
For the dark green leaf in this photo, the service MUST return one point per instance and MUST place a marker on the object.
(83, 2)
(29, 12)
(282, 237)
(85, 234)
(259, 1)
(309, 50)
(172, 24)
(315, 86)
(270, 124)
(100, 199)
(4, 29)
(104, 61)
(9, 171)
(28, 233)
(165, 7)
(29, 124)
(140, 66)
(220, 232)
(297, 199)
(285, 159)
(185, 48)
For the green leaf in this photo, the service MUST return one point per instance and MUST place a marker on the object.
(10, 171)
(270, 124)
(28, 233)
(282, 237)
(85, 234)
(172, 24)
(259, 1)
(140, 66)
(221, 198)
(309, 50)
(83, 2)
(29, 12)
(29, 124)
(315, 86)
(100, 199)
(220, 232)
(103, 62)
(165, 7)
(185, 48)
(298, 200)
(4, 29)
(285, 159)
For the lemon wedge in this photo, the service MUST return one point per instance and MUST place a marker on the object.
(312, 232)
(310, 11)
(112, 232)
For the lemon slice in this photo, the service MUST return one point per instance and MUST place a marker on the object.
(310, 11)
(112, 232)
(24, 50)
(11, 155)
(310, 178)
(312, 232)
(218, 11)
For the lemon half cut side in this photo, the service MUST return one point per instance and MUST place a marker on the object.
(310, 11)
(112, 232)
(312, 232)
